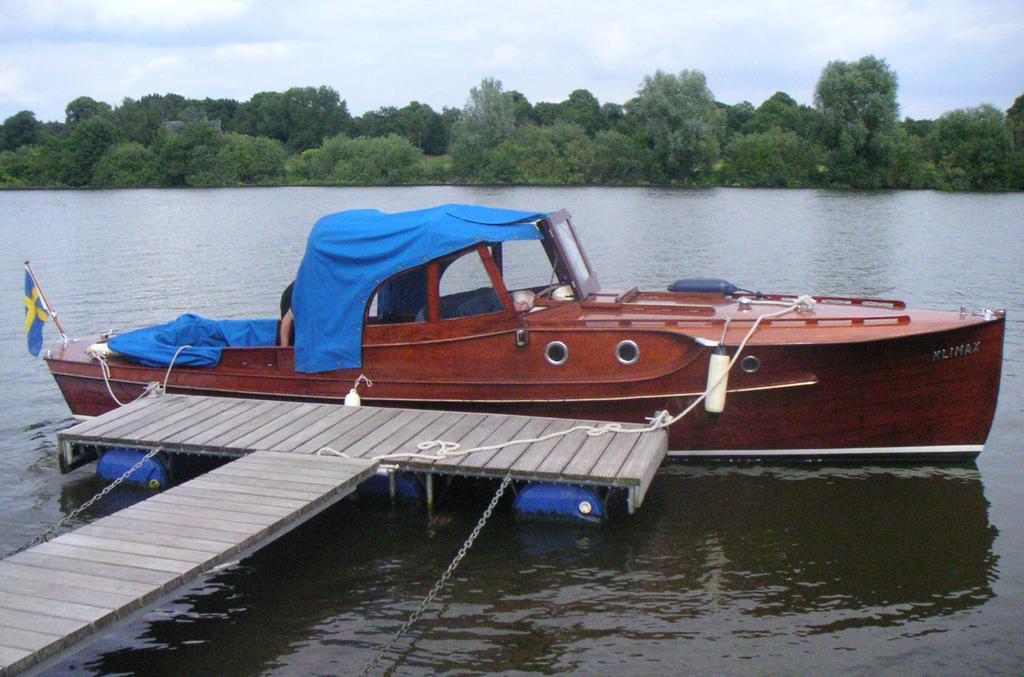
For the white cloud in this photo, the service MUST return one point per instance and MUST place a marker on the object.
(947, 53)
(165, 63)
(252, 51)
(508, 58)
(12, 84)
(168, 14)
(612, 46)
(119, 15)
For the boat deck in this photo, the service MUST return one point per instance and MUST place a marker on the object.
(59, 592)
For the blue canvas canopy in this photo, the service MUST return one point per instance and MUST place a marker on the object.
(349, 255)
(156, 346)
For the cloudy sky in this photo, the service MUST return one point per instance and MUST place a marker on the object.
(948, 53)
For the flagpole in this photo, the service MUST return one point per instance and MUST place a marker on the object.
(49, 308)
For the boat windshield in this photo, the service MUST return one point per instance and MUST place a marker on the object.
(572, 251)
(575, 260)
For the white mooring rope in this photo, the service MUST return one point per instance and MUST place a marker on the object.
(156, 386)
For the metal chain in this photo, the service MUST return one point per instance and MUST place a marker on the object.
(415, 615)
(85, 506)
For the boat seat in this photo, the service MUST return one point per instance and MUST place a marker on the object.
(469, 303)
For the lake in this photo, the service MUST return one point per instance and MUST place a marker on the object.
(726, 569)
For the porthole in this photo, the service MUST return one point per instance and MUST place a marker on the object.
(557, 353)
(627, 352)
(750, 364)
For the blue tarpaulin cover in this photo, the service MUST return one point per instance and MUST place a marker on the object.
(350, 254)
(155, 346)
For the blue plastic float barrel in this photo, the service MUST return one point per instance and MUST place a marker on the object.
(116, 462)
(407, 488)
(559, 501)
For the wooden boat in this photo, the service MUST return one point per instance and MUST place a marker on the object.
(828, 378)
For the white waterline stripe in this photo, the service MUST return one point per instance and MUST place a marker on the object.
(940, 449)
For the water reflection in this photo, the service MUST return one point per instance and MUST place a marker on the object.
(751, 553)
(891, 544)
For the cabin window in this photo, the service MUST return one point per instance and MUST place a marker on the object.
(525, 265)
(402, 298)
(466, 289)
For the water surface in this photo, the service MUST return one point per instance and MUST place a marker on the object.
(725, 569)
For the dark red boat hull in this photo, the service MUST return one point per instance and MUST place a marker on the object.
(930, 395)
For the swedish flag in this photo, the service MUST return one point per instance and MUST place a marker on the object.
(35, 315)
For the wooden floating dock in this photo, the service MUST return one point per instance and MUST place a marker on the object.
(57, 593)
(235, 427)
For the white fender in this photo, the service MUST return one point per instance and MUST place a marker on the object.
(353, 399)
(718, 380)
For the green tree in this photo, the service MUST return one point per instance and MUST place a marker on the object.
(739, 119)
(449, 116)
(1016, 180)
(522, 110)
(314, 114)
(300, 118)
(487, 119)
(141, 121)
(192, 157)
(385, 160)
(618, 159)
(253, 160)
(781, 111)
(919, 128)
(582, 108)
(265, 115)
(423, 126)
(911, 165)
(380, 122)
(13, 169)
(126, 165)
(418, 122)
(973, 149)
(83, 108)
(223, 110)
(546, 113)
(560, 154)
(1015, 119)
(210, 168)
(772, 159)
(21, 129)
(40, 165)
(86, 144)
(680, 124)
(613, 114)
(860, 113)
(1015, 122)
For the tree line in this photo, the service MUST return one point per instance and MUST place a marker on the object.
(673, 132)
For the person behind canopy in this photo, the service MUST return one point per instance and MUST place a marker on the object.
(286, 333)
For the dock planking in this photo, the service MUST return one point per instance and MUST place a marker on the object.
(65, 589)
(61, 591)
(236, 427)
